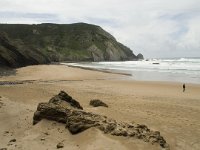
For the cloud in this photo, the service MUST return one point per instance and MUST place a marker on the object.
(20, 17)
(155, 28)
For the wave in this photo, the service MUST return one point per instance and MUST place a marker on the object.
(195, 60)
(174, 69)
(137, 65)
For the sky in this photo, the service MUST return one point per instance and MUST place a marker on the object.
(155, 28)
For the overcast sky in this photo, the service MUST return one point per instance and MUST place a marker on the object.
(155, 28)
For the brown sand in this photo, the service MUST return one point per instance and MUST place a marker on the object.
(161, 106)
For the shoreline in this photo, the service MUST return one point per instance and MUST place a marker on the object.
(5, 71)
(128, 74)
(96, 69)
(161, 106)
(167, 70)
(121, 76)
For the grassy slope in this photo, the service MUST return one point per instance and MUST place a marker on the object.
(58, 42)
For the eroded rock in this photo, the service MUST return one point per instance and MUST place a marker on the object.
(64, 97)
(97, 103)
(63, 108)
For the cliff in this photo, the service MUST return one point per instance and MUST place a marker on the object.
(22, 45)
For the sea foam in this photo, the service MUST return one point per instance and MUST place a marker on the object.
(177, 69)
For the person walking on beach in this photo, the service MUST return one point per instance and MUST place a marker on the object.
(184, 87)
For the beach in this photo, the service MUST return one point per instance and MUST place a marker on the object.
(162, 106)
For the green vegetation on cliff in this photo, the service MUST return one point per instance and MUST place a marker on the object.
(22, 45)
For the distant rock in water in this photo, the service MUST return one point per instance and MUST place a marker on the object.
(140, 56)
(76, 120)
(22, 45)
(97, 103)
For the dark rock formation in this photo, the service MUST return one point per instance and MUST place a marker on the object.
(76, 120)
(22, 45)
(17, 55)
(97, 102)
(13, 140)
(64, 97)
(5, 71)
(55, 109)
(140, 56)
(60, 145)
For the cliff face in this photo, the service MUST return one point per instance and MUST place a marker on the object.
(17, 55)
(22, 45)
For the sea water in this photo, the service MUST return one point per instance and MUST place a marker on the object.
(184, 70)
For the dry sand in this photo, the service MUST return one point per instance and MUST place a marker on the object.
(161, 106)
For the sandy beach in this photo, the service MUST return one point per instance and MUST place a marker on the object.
(162, 106)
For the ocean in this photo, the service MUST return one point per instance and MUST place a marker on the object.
(184, 70)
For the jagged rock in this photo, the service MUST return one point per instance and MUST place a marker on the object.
(64, 97)
(50, 111)
(60, 145)
(61, 109)
(97, 102)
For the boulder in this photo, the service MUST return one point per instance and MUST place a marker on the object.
(61, 109)
(13, 140)
(60, 145)
(140, 56)
(97, 103)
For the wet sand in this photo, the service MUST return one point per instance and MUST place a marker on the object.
(162, 106)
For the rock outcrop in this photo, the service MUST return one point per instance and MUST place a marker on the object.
(22, 45)
(97, 103)
(61, 109)
(17, 55)
(64, 97)
(140, 56)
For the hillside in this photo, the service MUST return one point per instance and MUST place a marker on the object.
(22, 45)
